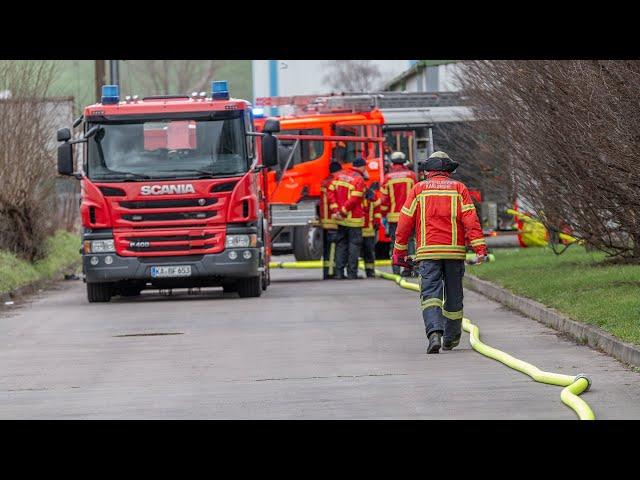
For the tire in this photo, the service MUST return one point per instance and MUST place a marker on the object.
(265, 280)
(250, 287)
(99, 292)
(307, 243)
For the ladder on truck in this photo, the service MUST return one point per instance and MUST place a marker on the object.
(396, 107)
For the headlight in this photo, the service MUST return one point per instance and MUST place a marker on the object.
(99, 246)
(240, 241)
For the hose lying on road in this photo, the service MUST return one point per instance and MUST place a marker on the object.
(318, 263)
(574, 385)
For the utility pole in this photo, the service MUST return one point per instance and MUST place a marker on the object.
(114, 72)
(99, 78)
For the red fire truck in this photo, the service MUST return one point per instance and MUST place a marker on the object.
(174, 193)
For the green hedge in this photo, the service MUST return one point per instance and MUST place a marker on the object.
(62, 250)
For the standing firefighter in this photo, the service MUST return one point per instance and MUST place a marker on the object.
(441, 213)
(346, 192)
(371, 208)
(329, 225)
(397, 185)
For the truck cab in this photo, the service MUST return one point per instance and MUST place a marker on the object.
(173, 194)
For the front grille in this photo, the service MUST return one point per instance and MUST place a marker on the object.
(189, 202)
(168, 238)
(159, 217)
(163, 248)
(163, 243)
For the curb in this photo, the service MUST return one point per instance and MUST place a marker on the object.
(33, 287)
(580, 332)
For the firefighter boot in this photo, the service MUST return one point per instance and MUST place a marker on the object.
(435, 340)
(451, 344)
(370, 273)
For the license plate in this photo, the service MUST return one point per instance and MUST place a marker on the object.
(171, 271)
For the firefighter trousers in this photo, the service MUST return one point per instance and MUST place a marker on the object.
(329, 252)
(369, 255)
(393, 226)
(441, 296)
(348, 245)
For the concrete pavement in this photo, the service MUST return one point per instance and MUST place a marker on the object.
(306, 349)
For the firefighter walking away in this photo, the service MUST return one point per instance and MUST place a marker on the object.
(441, 213)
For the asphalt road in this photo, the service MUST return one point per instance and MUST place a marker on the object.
(306, 350)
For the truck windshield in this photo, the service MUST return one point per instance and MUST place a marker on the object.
(157, 149)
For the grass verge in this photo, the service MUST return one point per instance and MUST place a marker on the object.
(577, 283)
(62, 250)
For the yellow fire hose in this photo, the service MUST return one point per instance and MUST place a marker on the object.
(318, 263)
(574, 385)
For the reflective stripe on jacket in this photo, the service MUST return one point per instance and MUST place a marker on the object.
(440, 212)
(345, 193)
(371, 212)
(325, 209)
(397, 185)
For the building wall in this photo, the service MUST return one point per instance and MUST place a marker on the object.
(438, 78)
(305, 77)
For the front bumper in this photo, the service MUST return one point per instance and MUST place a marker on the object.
(202, 266)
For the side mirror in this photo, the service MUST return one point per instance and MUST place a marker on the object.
(65, 159)
(269, 150)
(271, 125)
(64, 135)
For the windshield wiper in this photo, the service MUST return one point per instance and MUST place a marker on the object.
(127, 176)
(202, 173)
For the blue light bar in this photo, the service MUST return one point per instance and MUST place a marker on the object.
(110, 94)
(220, 90)
(258, 112)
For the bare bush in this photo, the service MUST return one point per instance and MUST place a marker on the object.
(26, 158)
(164, 77)
(352, 75)
(571, 133)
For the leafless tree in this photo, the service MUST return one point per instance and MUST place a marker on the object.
(164, 77)
(27, 198)
(352, 75)
(570, 132)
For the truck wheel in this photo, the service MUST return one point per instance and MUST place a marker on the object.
(307, 243)
(250, 287)
(265, 280)
(99, 292)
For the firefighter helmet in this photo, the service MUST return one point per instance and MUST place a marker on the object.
(440, 162)
(398, 157)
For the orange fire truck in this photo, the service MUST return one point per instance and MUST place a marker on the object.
(367, 124)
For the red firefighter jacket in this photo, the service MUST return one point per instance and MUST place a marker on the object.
(345, 194)
(395, 188)
(325, 211)
(441, 213)
(371, 213)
